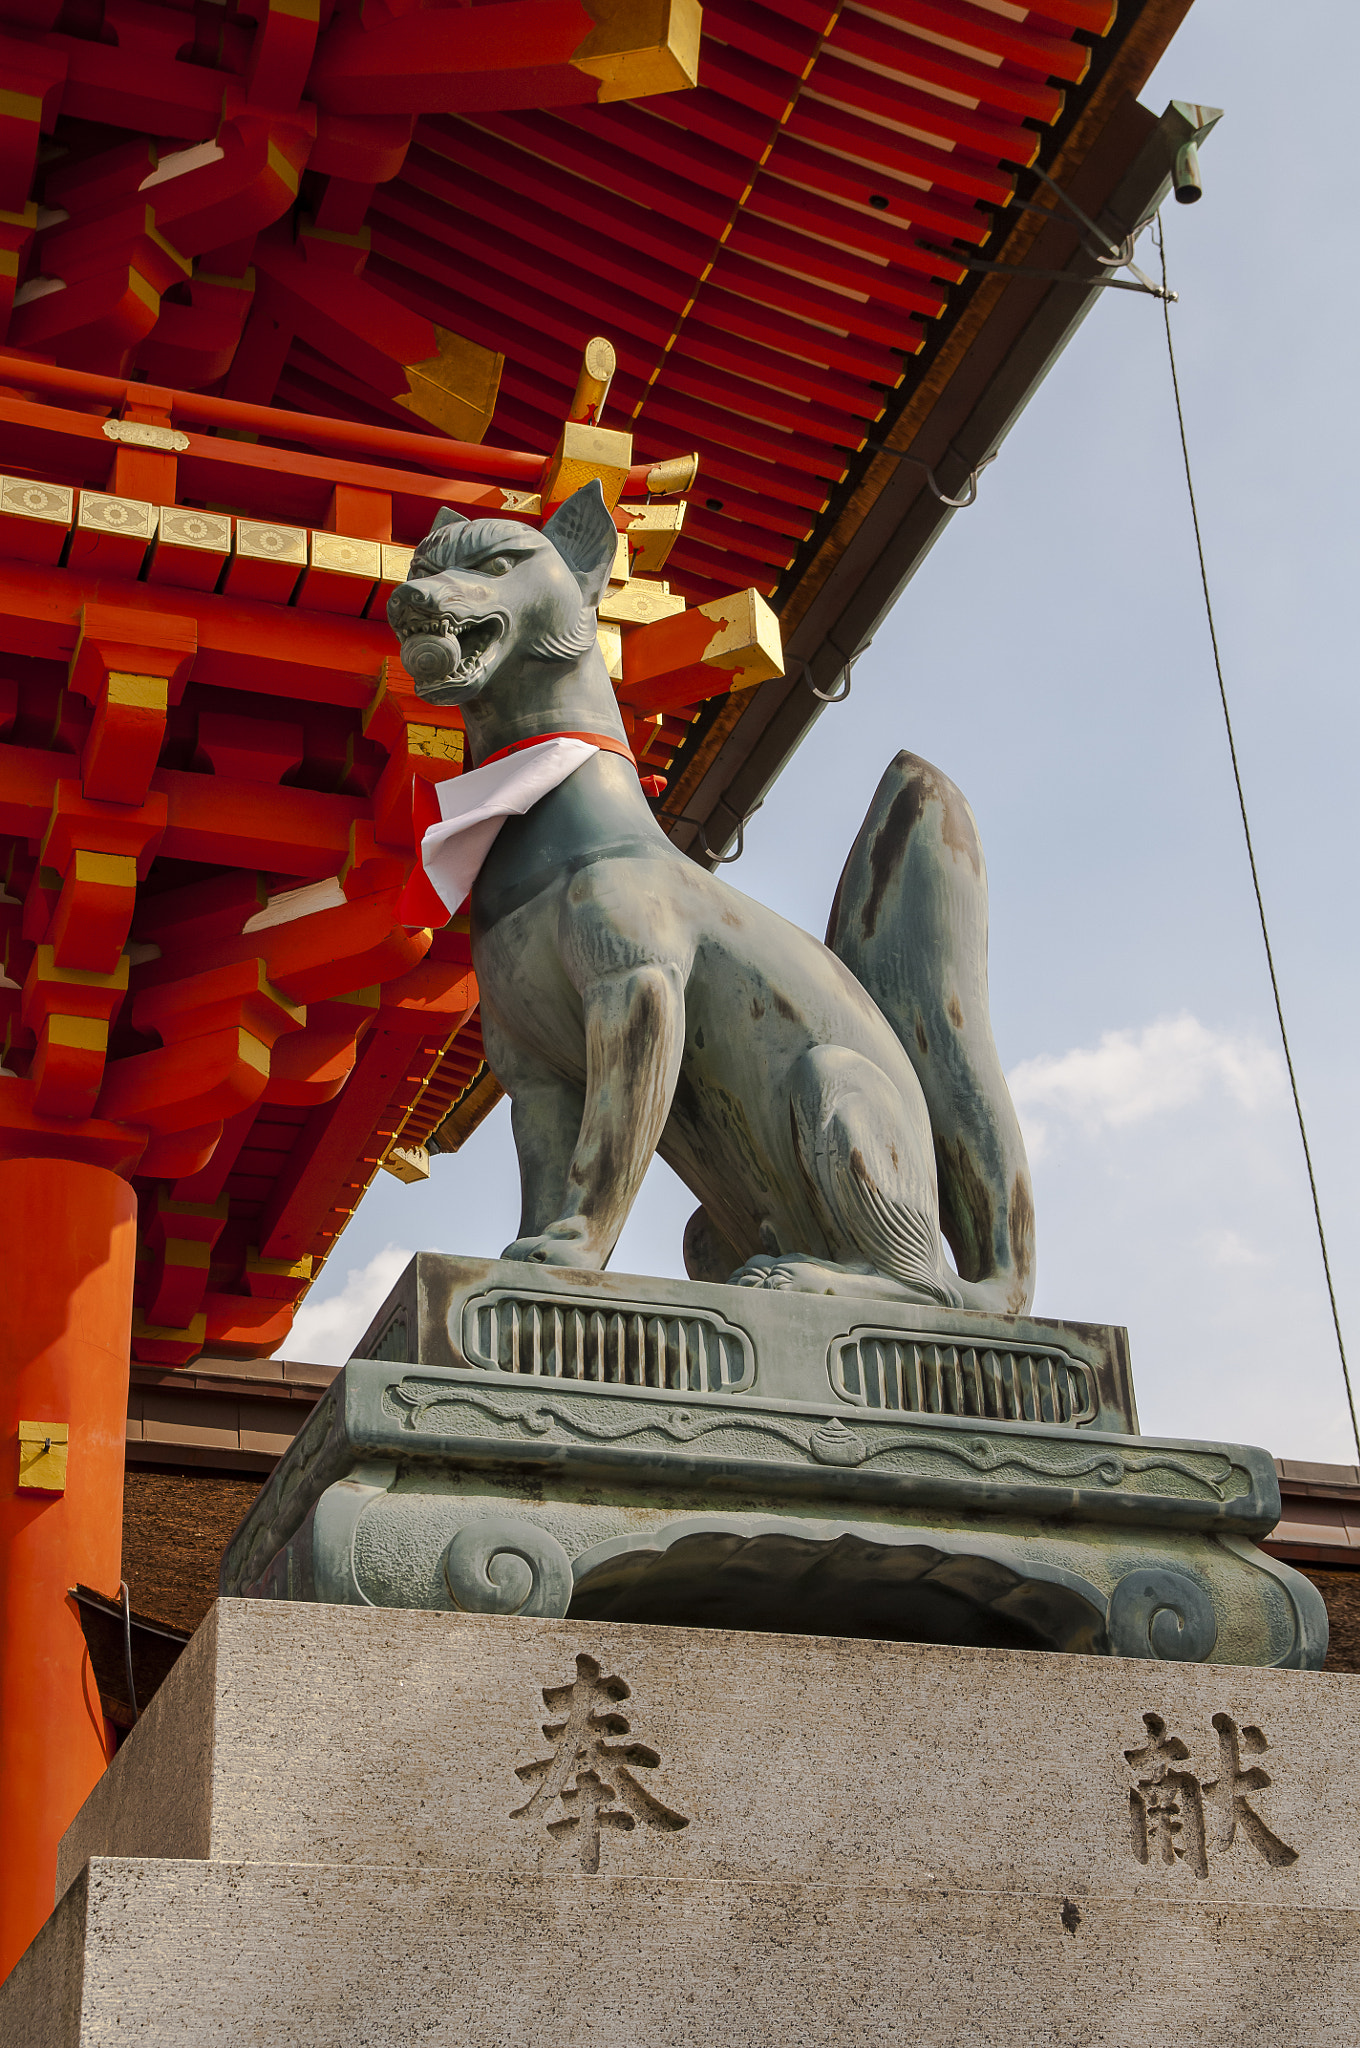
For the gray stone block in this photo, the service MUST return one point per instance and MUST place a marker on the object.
(371, 1828)
(165, 1955)
(331, 1735)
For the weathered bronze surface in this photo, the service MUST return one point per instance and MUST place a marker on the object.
(515, 1439)
(634, 1003)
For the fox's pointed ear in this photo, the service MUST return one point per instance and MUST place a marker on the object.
(585, 536)
(446, 516)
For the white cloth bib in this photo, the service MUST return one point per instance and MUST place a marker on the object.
(475, 805)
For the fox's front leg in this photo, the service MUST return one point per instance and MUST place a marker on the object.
(545, 1112)
(634, 1025)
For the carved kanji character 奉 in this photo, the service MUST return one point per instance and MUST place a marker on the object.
(588, 1773)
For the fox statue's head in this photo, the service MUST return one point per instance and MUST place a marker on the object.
(487, 596)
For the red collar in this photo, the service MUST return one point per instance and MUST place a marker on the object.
(595, 739)
(653, 785)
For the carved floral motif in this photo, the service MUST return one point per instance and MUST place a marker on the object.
(821, 1441)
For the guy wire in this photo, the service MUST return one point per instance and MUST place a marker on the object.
(1251, 851)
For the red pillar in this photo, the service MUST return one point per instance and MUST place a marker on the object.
(67, 1245)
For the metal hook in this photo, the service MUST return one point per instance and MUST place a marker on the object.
(954, 504)
(1095, 243)
(719, 859)
(1123, 260)
(1113, 255)
(1116, 258)
(1120, 259)
(829, 696)
(723, 860)
(961, 504)
(836, 696)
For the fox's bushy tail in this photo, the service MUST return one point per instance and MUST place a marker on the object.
(910, 922)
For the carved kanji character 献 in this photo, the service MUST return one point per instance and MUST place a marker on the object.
(1166, 1804)
(1226, 1795)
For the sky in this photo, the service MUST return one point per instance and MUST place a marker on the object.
(1052, 656)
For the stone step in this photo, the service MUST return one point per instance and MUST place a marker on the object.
(184, 1955)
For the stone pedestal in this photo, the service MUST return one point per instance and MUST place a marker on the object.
(512, 1439)
(374, 1827)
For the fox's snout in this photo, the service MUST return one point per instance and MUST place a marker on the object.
(413, 608)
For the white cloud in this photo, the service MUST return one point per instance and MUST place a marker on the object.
(1134, 1075)
(1171, 1198)
(325, 1332)
(1228, 1248)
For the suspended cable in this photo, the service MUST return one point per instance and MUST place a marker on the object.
(127, 1651)
(1251, 851)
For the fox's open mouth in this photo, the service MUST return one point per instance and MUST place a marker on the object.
(446, 656)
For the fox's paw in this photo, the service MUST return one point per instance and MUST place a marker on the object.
(561, 1244)
(794, 1272)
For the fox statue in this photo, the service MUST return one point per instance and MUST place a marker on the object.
(832, 1107)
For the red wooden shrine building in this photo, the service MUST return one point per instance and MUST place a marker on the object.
(280, 278)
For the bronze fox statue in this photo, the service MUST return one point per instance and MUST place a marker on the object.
(832, 1107)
